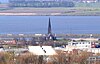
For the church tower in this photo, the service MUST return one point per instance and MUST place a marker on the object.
(50, 36)
(49, 27)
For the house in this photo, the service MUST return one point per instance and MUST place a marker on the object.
(7, 41)
(93, 60)
(80, 45)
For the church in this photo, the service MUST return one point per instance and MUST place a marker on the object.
(50, 36)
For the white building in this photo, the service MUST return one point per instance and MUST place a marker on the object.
(85, 46)
(80, 45)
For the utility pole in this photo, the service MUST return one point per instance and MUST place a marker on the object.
(90, 39)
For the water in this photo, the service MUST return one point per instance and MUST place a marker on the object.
(60, 24)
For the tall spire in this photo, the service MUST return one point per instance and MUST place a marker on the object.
(49, 27)
(50, 36)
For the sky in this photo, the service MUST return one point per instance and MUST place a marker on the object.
(3, 1)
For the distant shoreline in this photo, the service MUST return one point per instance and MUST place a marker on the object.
(42, 14)
(57, 35)
(74, 11)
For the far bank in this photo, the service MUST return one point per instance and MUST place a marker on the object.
(58, 11)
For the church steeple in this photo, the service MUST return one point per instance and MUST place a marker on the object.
(49, 27)
(50, 36)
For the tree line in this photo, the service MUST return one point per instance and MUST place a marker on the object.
(42, 4)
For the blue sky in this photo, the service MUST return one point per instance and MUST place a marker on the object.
(3, 1)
